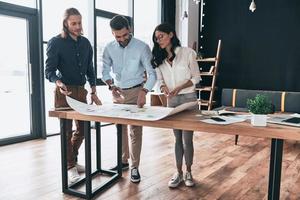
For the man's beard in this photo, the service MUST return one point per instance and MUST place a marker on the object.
(125, 43)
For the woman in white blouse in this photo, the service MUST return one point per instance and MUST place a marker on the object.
(178, 73)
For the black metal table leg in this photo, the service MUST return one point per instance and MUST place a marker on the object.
(119, 149)
(275, 169)
(63, 140)
(88, 165)
(87, 180)
(98, 145)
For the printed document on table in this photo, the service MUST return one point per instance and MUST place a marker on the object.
(227, 120)
(285, 119)
(148, 113)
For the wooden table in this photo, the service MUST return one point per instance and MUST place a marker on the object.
(189, 121)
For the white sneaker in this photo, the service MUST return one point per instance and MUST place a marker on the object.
(175, 180)
(80, 168)
(73, 175)
(188, 179)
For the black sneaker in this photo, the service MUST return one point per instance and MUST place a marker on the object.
(125, 166)
(135, 175)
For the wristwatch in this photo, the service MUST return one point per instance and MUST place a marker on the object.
(145, 90)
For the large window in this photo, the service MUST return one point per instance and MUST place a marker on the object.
(104, 36)
(19, 71)
(146, 18)
(14, 80)
(53, 11)
(122, 7)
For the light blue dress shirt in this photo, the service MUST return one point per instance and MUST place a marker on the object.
(128, 64)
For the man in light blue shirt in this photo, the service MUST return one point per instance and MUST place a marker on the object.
(128, 59)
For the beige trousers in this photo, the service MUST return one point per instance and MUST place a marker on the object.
(135, 132)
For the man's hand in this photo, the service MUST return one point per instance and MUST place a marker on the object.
(95, 99)
(117, 95)
(141, 98)
(62, 88)
(116, 92)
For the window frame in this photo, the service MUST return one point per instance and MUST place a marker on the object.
(36, 104)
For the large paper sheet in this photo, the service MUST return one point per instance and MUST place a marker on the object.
(148, 113)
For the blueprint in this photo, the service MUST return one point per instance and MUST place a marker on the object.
(148, 113)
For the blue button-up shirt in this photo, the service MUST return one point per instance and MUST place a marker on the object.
(70, 61)
(128, 64)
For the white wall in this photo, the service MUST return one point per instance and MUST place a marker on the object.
(187, 27)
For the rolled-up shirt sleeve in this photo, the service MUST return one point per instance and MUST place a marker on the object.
(194, 67)
(90, 69)
(106, 67)
(52, 61)
(160, 79)
(151, 73)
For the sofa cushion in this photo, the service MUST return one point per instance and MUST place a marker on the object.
(292, 102)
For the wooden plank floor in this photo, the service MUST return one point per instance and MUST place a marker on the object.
(31, 170)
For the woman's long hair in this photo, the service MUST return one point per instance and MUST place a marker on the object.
(67, 14)
(159, 54)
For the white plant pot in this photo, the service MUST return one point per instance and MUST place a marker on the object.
(259, 120)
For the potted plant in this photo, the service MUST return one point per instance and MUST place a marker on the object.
(259, 106)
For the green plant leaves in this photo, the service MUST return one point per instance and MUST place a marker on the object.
(260, 104)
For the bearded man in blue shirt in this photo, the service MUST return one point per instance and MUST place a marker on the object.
(128, 59)
(68, 65)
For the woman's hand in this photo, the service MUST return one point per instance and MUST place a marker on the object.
(175, 92)
(164, 89)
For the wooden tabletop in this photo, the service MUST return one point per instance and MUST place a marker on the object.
(188, 120)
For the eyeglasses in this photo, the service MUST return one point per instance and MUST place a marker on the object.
(160, 37)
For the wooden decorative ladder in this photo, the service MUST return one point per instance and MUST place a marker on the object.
(211, 73)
